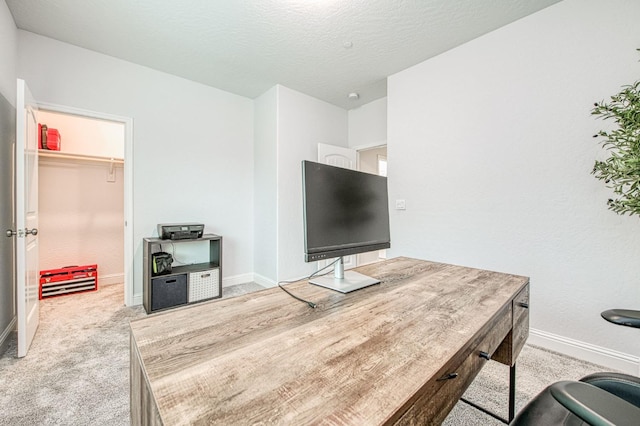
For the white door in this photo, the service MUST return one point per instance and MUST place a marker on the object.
(26, 198)
(338, 156)
(341, 157)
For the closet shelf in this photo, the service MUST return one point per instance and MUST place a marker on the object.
(62, 155)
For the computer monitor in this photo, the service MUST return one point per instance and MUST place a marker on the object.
(346, 212)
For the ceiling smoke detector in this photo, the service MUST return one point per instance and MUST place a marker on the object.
(353, 96)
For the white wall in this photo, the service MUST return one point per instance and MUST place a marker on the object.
(8, 49)
(192, 148)
(303, 123)
(265, 181)
(288, 127)
(368, 124)
(491, 146)
(8, 52)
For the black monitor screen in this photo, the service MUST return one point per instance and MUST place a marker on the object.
(345, 211)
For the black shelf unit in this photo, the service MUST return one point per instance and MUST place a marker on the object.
(186, 284)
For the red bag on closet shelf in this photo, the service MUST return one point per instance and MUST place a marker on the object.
(42, 136)
(48, 138)
(53, 139)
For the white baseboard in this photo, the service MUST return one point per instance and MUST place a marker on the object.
(608, 358)
(247, 278)
(4, 337)
(237, 279)
(227, 282)
(110, 279)
(137, 299)
(264, 281)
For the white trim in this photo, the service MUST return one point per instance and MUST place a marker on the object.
(237, 279)
(128, 212)
(608, 358)
(110, 279)
(137, 299)
(228, 282)
(130, 299)
(370, 145)
(264, 281)
(4, 337)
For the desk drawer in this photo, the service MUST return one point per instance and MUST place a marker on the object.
(439, 395)
(515, 340)
(520, 321)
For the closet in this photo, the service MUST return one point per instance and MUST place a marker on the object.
(81, 196)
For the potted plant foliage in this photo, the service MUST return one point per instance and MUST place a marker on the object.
(621, 170)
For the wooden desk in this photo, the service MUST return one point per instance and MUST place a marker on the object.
(386, 354)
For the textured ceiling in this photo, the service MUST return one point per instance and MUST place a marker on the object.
(324, 48)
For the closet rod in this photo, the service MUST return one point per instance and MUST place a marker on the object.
(57, 154)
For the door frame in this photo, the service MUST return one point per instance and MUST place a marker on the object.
(359, 149)
(128, 184)
(368, 146)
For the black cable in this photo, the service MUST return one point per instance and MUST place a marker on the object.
(322, 269)
(311, 304)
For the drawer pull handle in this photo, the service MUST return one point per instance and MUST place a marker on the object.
(485, 355)
(524, 305)
(205, 275)
(448, 377)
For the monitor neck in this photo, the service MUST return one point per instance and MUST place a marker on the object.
(338, 268)
(342, 281)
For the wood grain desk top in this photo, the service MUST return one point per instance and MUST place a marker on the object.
(361, 358)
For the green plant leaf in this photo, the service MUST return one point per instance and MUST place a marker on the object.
(621, 170)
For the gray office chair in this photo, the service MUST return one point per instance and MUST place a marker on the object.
(597, 399)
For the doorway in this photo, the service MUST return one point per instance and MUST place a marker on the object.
(372, 160)
(88, 183)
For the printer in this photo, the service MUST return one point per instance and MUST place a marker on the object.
(180, 231)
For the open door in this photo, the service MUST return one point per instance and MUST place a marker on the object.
(26, 205)
(338, 156)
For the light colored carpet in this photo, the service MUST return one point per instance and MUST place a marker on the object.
(536, 369)
(77, 370)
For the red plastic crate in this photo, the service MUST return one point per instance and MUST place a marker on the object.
(68, 280)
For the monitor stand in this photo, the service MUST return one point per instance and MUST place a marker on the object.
(342, 281)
